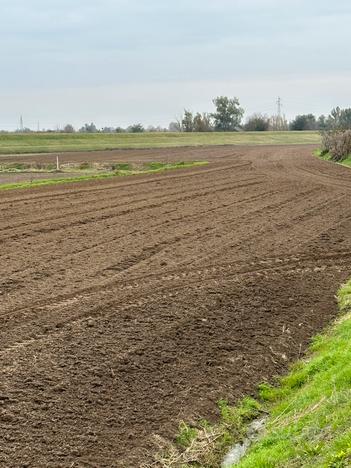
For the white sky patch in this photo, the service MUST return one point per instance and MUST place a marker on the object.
(87, 60)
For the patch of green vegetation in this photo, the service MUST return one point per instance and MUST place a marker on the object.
(153, 167)
(156, 166)
(327, 157)
(43, 182)
(13, 167)
(187, 435)
(23, 167)
(310, 410)
(159, 167)
(121, 167)
(13, 143)
(347, 161)
(203, 445)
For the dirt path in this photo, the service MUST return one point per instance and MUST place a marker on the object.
(129, 304)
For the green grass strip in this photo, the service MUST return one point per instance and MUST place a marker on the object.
(347, 162)
(14, 143)
(327, 157)
(151, 168)
(310, 411)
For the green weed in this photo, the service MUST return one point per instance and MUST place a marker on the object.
(310, 410)
(121, 173)
(186, 435)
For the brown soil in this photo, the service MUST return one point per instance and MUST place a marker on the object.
(135, 155)
(130, 304)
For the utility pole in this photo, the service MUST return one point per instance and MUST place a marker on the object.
(38, 127)
(21, 124)
(279, 104)
(280, 119)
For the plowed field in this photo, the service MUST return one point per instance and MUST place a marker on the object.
(129, 304)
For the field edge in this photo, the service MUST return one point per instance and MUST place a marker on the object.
(310, 413)
(293, 408)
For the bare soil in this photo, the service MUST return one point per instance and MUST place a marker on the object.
(129, 304)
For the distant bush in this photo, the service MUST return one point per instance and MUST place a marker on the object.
(88, 128)
(337, 144)
(304, 122)
(257, 123)
(136, 128)
(68, 129)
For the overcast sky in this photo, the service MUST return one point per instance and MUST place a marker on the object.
(117, 62)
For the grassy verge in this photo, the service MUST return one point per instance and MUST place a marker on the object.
(149, 168)
(60, 142)
(310, 411)
(309, 422)
(327, 157)
(203, 445)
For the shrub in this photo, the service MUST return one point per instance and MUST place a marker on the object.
(304, 122)
(136, 128)
(257, 123)
(337, 144)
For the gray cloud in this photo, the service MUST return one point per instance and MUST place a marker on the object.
(77, 49)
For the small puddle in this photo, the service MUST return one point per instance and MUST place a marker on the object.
(238, 451)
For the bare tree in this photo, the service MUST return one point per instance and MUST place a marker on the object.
(257, 123)
(175, 126)
(202, 123)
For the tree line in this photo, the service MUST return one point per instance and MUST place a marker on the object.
(227, 116)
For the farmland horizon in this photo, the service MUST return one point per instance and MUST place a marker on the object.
(175, 224)
(105, 117)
